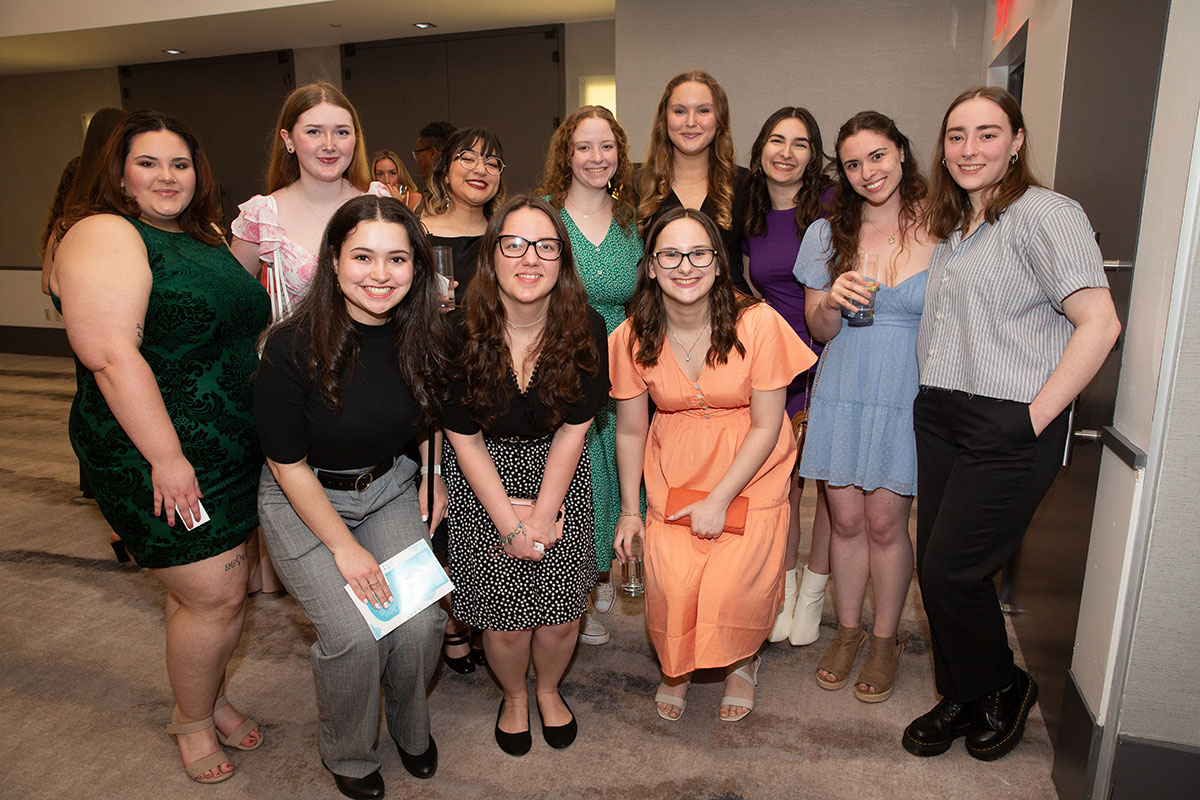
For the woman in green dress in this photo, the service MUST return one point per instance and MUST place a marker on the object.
(165, 321)
(589, 181)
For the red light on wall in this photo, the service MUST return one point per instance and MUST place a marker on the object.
(1001, 17)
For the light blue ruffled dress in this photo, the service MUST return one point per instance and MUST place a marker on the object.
(860, 424)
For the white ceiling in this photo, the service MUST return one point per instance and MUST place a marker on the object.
(46, 45)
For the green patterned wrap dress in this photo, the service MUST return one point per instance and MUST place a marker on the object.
(609, 272)
(203, 320)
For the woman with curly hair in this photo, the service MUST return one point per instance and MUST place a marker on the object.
(532, 373)
(860, 435)
(716, 364)
(589, 181)
(388, 169)
(787, 190)
(347, 383)
(690, 163)
(464, 191)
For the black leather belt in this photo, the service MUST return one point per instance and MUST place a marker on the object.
(353, 481)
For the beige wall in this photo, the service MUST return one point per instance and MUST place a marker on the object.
(835, 57)
(590, 50)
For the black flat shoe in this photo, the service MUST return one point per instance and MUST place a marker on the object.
(559, 736)
(932, 733)
(368, 788)
(999, 719)
(422, 766)
(463, 664)
(515, 744)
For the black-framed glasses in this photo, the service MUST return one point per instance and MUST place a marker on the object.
(700, 257)
(416, 154)
(516, 246)
(469, 158)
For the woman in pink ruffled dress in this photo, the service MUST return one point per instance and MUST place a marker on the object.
(318, 162)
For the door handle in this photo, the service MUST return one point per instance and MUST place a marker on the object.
(1087, 435)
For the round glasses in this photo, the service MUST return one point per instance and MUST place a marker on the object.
(516, 246)
(469, 158)
(700, 257)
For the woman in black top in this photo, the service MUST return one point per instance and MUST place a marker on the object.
(532, 374)
(690, 163)
(346, 383)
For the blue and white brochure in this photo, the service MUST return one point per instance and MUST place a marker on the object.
(417, 581)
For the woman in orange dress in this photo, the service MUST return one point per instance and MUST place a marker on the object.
(717, 365)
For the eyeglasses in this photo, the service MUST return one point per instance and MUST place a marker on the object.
(700, 257)
(416, 154)
(516, 246)
(469, 158)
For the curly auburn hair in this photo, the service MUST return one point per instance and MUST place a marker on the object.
(648, 317)
(808, 195)
(322, 322)
(284, 167)
(563, 350)
(558, 173)
(658, 172)
(949, 206)
(482, 141)
(845, 222)
(102, 191)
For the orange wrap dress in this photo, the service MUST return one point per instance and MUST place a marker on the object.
(711, 602)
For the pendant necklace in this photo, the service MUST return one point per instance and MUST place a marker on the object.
(525, 324)
(687, 351)
(891, 237)
(589, 214)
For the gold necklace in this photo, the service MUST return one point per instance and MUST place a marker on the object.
(891, 237)
(607, 204)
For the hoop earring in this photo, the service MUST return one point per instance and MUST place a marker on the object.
(1012, 159)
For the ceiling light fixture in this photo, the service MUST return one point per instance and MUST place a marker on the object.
(424, 25)
(171, 51)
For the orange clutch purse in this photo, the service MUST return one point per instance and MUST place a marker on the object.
(735, 515)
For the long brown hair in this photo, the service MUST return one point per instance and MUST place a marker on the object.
(558, 174)
(648, 317)
(949, 205)
(846, 220)
(658, 172)
(284, 167)
(103, 193)
(437, 197)
(564, 349)
(808, 195)
(322, 322)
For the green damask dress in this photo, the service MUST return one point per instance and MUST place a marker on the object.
(609, 271)
(199, 337)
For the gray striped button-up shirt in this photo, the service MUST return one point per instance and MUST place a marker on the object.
(993, 323)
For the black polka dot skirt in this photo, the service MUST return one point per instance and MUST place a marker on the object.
(495, 591)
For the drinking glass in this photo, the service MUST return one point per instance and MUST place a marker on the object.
(443, 263)
(866, 265)
(632, 577)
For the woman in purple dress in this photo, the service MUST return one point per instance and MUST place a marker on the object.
(787, 190)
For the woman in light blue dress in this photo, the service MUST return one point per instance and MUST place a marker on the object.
(860, 435)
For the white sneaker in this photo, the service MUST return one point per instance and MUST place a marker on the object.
(591, 631)
(603, 597)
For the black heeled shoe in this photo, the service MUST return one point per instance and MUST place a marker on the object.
(515, 744)
(463, 665)
(478, 656)
(560, 736)
(420, 766)
(367, 788)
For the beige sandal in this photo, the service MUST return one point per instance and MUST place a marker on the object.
(746, 703)
(879, 670)
(672, 700)
(209, 763)
(234, 739)
(840, 656)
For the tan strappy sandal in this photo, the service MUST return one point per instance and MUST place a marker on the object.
(234, 739)
(209, 763)
(879, 670)
(838, 659)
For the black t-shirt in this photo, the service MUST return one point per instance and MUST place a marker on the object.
(731, 237)
(526, 415)
(378, 413)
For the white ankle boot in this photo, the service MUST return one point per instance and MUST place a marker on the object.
(783, 620)
(806, 622)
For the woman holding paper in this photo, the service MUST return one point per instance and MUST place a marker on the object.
(717, 365)
(345, 384)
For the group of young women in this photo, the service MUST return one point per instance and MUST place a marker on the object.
(611, 373)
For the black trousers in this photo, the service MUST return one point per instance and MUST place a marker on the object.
(981, 473)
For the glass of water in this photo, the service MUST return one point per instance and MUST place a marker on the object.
(633, 580)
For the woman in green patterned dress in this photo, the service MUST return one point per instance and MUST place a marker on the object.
(589, 180)
(165, 320)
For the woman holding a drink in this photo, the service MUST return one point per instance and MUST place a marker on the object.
(864, 273)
